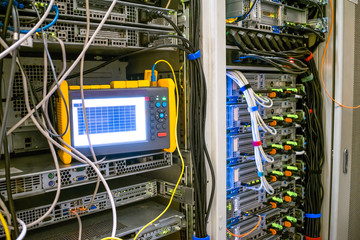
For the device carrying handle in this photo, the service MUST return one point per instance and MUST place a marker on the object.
(62, 121)
(169, 83)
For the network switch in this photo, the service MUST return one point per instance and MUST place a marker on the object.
(125, 191)
(29, 179)
(98, 226)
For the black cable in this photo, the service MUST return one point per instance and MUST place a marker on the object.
(248, 12)
(314, 191)
(12, 210)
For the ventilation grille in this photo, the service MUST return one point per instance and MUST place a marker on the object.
(22, 185)
(35, 74)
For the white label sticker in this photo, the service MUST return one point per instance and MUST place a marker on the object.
(236, 114)
(236, 142)
(12, 171)
(236, 175)
(28, 42)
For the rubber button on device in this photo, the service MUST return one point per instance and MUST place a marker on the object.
(162, 115)
(152, 137)
(158, 126)
(158, 104)
(162, 134)
(164, 104)
(164, 126)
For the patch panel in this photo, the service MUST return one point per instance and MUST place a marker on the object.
(124, 191)
(115, 36)
(124, 12)
(30, 180)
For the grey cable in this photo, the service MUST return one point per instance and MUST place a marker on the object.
(31, 32)
(83, 101)
(10, 87)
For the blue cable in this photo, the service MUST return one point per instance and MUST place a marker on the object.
(153, 77)
(54, 8)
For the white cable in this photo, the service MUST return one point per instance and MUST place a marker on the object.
(63, 52)
(82, 62)
(6, 212)
(80, 223)
(71, 68)
(53, 152)
(31, 32)
(23, 230)
(51, 92)
(256, 121)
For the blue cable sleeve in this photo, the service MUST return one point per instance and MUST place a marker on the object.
(194, 55)
(253, 109)
(39, 29)
(196, 238)
(260, 174)
(311, 215)
(153, 77)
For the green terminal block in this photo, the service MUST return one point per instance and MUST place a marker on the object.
(292, 194)
(278, 118)
(278, 173)
(276, 199)
(278, 226)
(292, 168)
(291, 219)
(278, 146)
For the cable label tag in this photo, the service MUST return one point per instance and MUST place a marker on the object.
(28, 42)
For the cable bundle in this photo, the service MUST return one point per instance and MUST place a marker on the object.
(314, 156)
(252, 99)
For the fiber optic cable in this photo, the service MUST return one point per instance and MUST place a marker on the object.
(177, 146)
(323, 62)
(256, 121)
(248, 233)
(5, 226)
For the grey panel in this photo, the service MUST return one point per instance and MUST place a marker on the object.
(354, 213)
(29, 179)
(130, 220)
(125, 191)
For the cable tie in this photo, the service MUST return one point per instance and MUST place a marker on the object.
(310, 238)
(312, 215)
(194, 56)
(309, 57)
(244, 88)
(253, 109)
(260, 174)
(196, 238)
(256, 144)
